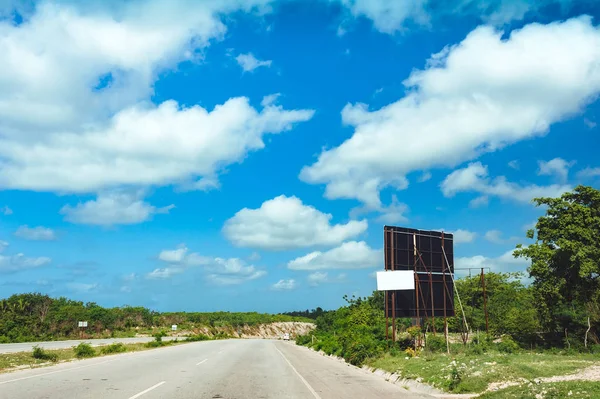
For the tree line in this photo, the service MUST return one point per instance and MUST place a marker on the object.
(38, 317)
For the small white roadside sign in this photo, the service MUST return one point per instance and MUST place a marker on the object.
(174, 327)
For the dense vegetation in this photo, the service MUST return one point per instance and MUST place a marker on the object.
(559, 309)
(35, 317)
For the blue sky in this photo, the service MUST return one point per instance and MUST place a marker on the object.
(245, 154)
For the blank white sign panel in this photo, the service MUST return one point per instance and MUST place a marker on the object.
(396, 280)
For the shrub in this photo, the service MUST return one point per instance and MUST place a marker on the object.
(154, 344)
(508, 345)
(455, 377)
(117, 347)
(435, 343)
(40, 353)
(84, 350)
(197, 337)
(303, 339)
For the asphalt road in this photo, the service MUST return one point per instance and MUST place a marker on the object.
(228, 369)
(27, 346)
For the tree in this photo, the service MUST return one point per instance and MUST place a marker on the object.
(565, 258)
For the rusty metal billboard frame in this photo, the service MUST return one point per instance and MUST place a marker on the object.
(423, 244)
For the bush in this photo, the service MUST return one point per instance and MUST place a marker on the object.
(84, 350)
(117, 347)
(435, 343)
(40, 353)
(154, 344)
(198, 337)
(455, 377)
(508, 345)
(303, 339)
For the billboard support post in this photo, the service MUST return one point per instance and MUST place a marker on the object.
(444, 293)
(393, 256)
(487, 330)
(385, 260)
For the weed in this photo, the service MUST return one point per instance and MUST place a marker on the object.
(198, 337)
(117, 347)
(40, 353)
(84, 350)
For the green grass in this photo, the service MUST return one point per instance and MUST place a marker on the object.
(11, 361)
(477, 371)
(552, 390)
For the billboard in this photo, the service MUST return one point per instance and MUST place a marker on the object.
(430, 256)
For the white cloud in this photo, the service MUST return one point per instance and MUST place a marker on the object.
(387, 16)
(588, 173)
(3, 245)
(62, 132)
(270, 99)
(424, 177)
(349, 255)
(113, 208)
(284, 285)
(557, 167)
(317, 278)
(514, 164)
(286, 223)
(475, 97)
(19, 262)
(393, 213)
(589, 123)
(254, 256)
(6, 211)
(394, 16)
(224, 279)
(35, 233)
(222, 271)
(479, 201)
(130, 277)
(145, 145)
(164, 273)
(182, 256)
(249, 62)
(504, 263)
(82, 287)
(494, 236)
(463, 236)
(474, 178)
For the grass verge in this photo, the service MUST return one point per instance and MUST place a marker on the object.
(42, 357)
(551, 390)
(462, 373)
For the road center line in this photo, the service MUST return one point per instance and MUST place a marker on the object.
(315, 394)
(199, 363)
(137, 395)
(55, 372)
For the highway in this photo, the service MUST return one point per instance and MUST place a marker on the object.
(27, 346)
(228, 369)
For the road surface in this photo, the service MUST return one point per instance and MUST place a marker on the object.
(27, 346)
(228, 369)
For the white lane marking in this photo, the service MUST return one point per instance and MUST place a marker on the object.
(137, 395)
(199, 363)
(315, 394)
(54, 372)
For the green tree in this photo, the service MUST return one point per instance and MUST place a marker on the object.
(565, 259)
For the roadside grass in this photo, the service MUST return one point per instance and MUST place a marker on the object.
(42, 357)
(464, 372)
(551, 390)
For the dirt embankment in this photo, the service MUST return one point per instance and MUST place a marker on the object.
(271, 330)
